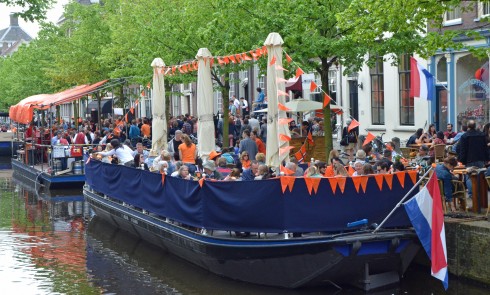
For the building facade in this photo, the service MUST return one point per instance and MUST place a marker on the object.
(12, 37)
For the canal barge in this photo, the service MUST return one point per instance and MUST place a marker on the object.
(285, 232)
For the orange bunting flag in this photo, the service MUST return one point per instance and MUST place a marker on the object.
(211, 62)
(226, 60)
(287, 182)
(181, 70)
(273, 60)
(246, 57)
(238, 57)
(284, 150)
(379, 180)
(148, 85)
(252, 53)
(284, 121)
(310, 138)
(353, 125)
(326, 100)
(389, 180)
(195, 66)
(364, 181)
(413, 175)
(333, 183)
(284, 137)
(201, 182)
(288, 58)
(258, 52)
(299, 72)
(401, 177)
(338, 111)
(173, 69)
(163, 179)
(341, 182)
(282, 107)
(221, 62)
(282, 93)
(369, 138)
(351, 170)
(264, 49)
(286, 171)
(278, 67)
(312, 184)
(281, 80)
(232, 58)
(313, 86)
(357, 182)
(143, 93)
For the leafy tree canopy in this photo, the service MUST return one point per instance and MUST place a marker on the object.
(32, 9)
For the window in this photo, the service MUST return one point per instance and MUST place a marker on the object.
(453, 17)
(232, 84)
(485, 9)
(332, 81)
(377, 93)
(406, 102)
(218, 97)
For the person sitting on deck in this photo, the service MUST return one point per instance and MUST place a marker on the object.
(368, 169)
(210, 170)
(312, 171)
(382, 167)
(225, 171)
(443, 172)
(262, 172)
(359, 167)
(245, 160)
(139, 162)
(299, 170)
(249, 174)
(183, 173)
(339, 170)
(233, 176)
(122, 154)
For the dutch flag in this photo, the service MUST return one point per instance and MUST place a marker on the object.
(425, 213)
(421, 81)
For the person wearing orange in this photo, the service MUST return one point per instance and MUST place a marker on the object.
(260, 144)
(188, 153)
(245, 160)
(145, 129)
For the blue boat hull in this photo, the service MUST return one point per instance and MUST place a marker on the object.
(360, 258)
(35, 177)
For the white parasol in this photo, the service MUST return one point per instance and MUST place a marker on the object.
(205, 130)
(274, 72)
(159, 121)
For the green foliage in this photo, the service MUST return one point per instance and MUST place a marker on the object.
(32, 9)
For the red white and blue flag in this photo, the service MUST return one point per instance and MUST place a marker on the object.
(422, 82)
(425, 213)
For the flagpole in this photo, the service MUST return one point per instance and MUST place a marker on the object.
(401, 201)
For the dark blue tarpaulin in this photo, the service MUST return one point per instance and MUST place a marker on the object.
(255, 206)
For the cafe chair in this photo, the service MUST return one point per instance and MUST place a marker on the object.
(406, 152)
(459, 194)
(439, 152)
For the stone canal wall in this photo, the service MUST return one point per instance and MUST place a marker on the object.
(468, 247)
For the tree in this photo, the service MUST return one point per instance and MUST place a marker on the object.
(33, 9)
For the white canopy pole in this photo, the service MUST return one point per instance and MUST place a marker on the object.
(159, 121)
(205, 127)
(274, 52)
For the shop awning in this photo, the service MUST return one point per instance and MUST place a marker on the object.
(23, 111)
(105, 105)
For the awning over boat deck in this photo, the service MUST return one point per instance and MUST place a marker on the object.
(23, 111)
(105, 105)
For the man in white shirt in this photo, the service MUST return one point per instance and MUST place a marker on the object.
(244, 107)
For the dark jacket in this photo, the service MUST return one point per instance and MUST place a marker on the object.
(472, 147)
(445, 175)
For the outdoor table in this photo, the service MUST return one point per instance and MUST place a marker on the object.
(417, 145)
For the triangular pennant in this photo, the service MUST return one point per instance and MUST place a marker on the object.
(285, 170)
(312, 184)
(174, 68)
(226, 60)
(379, 180)
(195, 64)
(282, 93)
(287, 181)
(364, 181)
(181, 70)
(201, 182)
(264, 49)
(143, 93)
(341, 181)
(221, 62)
(284, 137)
(246, 57)
(338, 111)
(284, 121)
(389, 179)
(238, 57)
(350, 170)
(281, 80)
(313, 86)
(333, 183)
(232, 58)
(278, 67)
(353, 125)
(326, 100)
(163, 179)
(148, 85)
(282, 107)
(284, 150)
(413, 175)
(254, 56)
(288, 58)
(401, 177)
(299, 72)
(211, 62)
(273, 61)
(369, 138)
(357, 182)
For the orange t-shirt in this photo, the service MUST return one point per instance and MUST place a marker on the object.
(145, 129)
(260, 145)
(188, 153)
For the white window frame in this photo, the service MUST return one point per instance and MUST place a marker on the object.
(483, 10)
(232, 85)
(455, 20)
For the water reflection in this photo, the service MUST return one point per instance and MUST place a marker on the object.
(48, 245)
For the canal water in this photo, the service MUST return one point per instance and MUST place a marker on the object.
(50, 243)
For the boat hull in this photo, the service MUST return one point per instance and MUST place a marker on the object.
(360, 258)
(34, 176)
